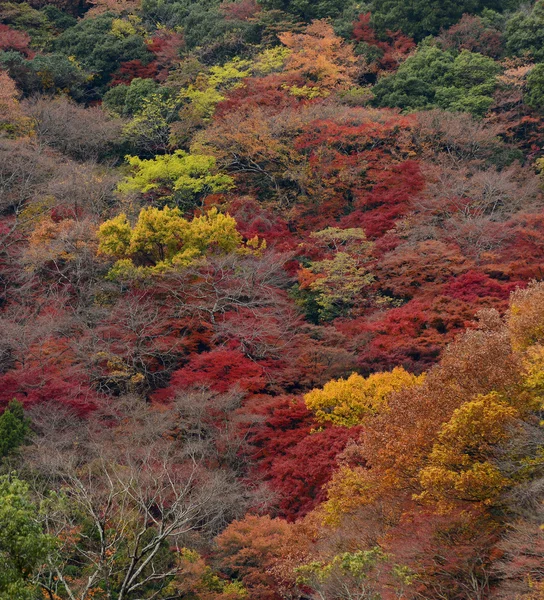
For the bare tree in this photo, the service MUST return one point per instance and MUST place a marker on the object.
(130, 497)
(81, 133)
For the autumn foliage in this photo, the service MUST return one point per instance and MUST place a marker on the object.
(271, 300)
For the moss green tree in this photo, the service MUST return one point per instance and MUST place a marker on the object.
(23, 545)
(435, 78)
(525, 33)
(419, 18)
(535, 88)
(14, 428)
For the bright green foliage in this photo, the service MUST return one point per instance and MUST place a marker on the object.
(535, 88)
(435, 78)
(419, 18)
(162, 239)
(14, 428)
(459, 466)
(271, 60)
(349, 402)
(179, 178)
(23, 546)
(202, 98)
(525, 33)
(340, 281)
(209, 88)
(347, 575)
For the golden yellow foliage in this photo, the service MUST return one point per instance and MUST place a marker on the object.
(162, 239)
(349, 402)
(525, 318)
(459, 466)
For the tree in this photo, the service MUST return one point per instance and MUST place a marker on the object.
(421, 18)
(11, 39)
(248, 548)
(348, 576)
(126, 498)
(472, 34)
(524, 33)
(45, 74)
(535, 87)
(380, 54)
(100, 49)
(339, 280)
(128, 100)
(307, 10)
(162, 239)
(221, 370)
(459, 467)
(320, 57)
(12, 119)
(432, 77)
(179, 178)
(23, 545)
(14, 428)
(84, 134)
(352, 401)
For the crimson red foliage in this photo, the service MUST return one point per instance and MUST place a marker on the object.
(132, 69)
(220, 370)
(295, 460)
(474, 285)
(397, 47)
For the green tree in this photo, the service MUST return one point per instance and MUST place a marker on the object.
(99, 48)
(525, 33)
(535, 88)
(329, 288)
(347, 576)
(309, 9)
(23, 545)
(14, 428)
(419, 18)
(435, 78)
(45, 73)
(202, 22)
(128, 100)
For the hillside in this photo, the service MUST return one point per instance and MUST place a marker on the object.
(271, 301)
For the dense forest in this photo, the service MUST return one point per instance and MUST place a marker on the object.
(271, 300)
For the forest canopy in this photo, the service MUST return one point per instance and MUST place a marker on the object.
(271, 300)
